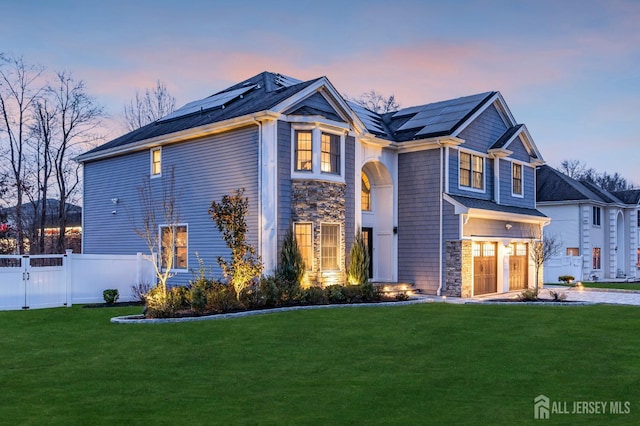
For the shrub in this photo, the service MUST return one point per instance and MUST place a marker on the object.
(566, 278)
(162, 303)
(221, 298)
(359, 267)
(335, 294)
(314, 296)
(402, 296)
(291, 267)
(139, 291)
(111, 296)
(253, 297)
(529, 295)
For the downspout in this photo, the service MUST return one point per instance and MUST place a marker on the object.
(260, 217)
(441, 224)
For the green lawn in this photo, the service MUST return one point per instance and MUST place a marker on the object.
(598, 284)
(419, 364)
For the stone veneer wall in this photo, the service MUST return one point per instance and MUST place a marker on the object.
(459, 268)
(320, 202)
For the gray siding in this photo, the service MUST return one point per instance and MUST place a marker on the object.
(528, 175)
(350, 201)
(205, 170)
(284, 180)
(485, 130)
(316, 102)
(454, 167)
(418, 218)
(519, 151)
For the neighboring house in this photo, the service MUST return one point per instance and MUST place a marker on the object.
(31, 213)
(598, 230)
(444, 193)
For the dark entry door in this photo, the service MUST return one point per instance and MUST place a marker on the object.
(367, 236)
(518, 267)
(484, 268)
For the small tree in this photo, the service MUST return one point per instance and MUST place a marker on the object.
(291, 266)
(359, 266)
(542, 250)
(245, 266)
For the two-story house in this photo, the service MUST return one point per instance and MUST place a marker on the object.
(597, 230)
(444, 193)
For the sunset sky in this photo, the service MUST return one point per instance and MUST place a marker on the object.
(568, 69)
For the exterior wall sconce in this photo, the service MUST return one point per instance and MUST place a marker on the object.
(114, 200)
(508, 226)
(395, 229)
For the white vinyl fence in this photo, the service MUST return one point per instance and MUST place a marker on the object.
(46, 281)
(562, 265)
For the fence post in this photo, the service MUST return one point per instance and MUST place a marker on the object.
(68, 276)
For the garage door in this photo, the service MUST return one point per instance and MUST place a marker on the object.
(484, 268)
(518, 267)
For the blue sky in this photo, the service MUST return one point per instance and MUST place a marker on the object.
(569, 70)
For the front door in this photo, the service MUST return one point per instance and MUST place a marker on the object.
(518, 267)
(367, 236)
(485, 266)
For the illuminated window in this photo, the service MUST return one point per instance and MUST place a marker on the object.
(156, 162)
(517, 179)
(330, 159)
(521, 249)
(471, 171)
(596, 257)
(366, 193)
(638, 264)
(174, 246)
(304, 238)
(573, 251)
(596, 216)
(329, 246)
(304, 150)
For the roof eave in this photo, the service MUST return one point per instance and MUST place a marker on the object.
(183, 135)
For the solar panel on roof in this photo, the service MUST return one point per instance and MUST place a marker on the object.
(210, 102)
(369, 119)
(286, 81)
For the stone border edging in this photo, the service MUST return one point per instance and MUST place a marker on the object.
(138, 319)
(567, 303)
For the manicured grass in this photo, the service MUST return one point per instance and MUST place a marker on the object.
(418, 364)
(598, 284)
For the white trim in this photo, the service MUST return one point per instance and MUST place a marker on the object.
(316, 172)
(174, 225)
(522, 166)
(269, 194)
(151, 151)
(338, 254)
(308, 268)
(484, 171)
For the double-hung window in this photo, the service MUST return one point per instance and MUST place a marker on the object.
(173, 239)
(330, 247)
(596, 216)
(330, 154)
(156, 162)
(303, 150)
(304, 238)
(471, 171)
(516, 179)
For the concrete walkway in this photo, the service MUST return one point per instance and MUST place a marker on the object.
(617, 297)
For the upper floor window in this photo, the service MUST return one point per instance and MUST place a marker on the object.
(330, 246)
(303, 150)
(366, 193)
(330, 158)
(173, 239)
(156, 162)
(471, 170)
(304, 238)
(596, 216)
(638, 214)
(516, 179)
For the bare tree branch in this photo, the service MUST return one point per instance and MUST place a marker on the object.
(149, 107)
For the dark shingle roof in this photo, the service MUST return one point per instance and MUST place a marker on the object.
(476, 203)
(508, 134)
(552, 185)
(631, 196)
(265, 95)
